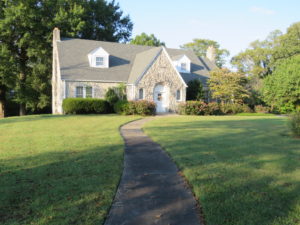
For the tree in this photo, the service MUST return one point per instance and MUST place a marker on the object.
(281, 89)
(25, 31)
(228, 86)
(258, 59)
(195, 90)
(145, 39)
(200, 46)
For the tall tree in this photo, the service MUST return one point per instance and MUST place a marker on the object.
(145, 39)
(228, 86)
(195, 90)
(281, 89)
(200, 46)
(26, 28)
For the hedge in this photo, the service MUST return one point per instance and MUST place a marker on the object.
(141, 107)
(85, 106)
(212, 108)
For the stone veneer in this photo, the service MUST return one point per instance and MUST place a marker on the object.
(162, 72)
(99, 88)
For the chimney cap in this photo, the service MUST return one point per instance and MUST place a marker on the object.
(56, 34)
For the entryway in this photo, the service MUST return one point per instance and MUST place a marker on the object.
(161, 98)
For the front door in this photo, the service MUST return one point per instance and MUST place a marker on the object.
(161, 98)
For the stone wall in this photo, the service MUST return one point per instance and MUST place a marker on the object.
(162, 72)
(99, 88)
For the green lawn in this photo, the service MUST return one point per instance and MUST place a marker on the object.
(59, 169)
(244, 170)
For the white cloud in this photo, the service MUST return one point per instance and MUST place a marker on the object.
(263, 11)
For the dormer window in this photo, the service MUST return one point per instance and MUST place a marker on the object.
(99, 61)
(182, 63)
(98, 58)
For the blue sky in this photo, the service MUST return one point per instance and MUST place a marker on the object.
(232, 23)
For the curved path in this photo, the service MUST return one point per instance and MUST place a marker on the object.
(150, 191)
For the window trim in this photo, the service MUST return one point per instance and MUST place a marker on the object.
(101, 57)
(84, 91)
(185, 66)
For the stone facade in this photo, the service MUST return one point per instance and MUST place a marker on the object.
(162, 72)
(99, 88)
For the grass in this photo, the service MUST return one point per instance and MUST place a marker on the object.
(243, 170)
(254, 114)
(59, 169)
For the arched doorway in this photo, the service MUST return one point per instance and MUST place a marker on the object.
(161, 98)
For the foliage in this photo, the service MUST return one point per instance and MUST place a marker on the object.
(64, 169)
(193, 108)
(214, 108)
(234, 108)
(228, 86)
(29, 42)
(195, 90)
(261, 109)
(121, 107)
(85, 106)
(200, 46)
(281, 90)
(111, 96)
(140, 107)
(243, 170)
(295, 123)
(145, 39)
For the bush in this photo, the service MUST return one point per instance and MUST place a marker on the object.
(121, 107)
(261, 109)
(85, 106)
(111, 96)
(234, 108)
(214, 108)
(193, 108)
(295, 124)
(141, 107)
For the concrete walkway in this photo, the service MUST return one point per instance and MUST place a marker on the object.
(150, 191)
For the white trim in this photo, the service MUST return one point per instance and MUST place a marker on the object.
(65, 89)
(170, 60)
(149, 65)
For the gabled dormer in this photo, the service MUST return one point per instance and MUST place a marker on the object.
(98, 58)
(182, 63)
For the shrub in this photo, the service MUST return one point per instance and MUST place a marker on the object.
(85, 106)
(295, 123)
(141, 107)
(193, 108)
(111, 96)
(121, 107)
(261, 109)
(234, 108)
(214, 108)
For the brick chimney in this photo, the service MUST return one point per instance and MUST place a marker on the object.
(211, 53)
(56, 34)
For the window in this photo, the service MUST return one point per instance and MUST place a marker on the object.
(84, 92)
(88, 92)
(79, 92)
(141, 93)
(183, 66)
(178, 95)
(99, 61)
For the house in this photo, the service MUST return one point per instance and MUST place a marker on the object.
(86, 69)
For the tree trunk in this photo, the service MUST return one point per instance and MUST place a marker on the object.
(2, 100)
(22, 110)
(22, 80)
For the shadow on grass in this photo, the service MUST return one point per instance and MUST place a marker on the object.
(243, 171)
(69, 188)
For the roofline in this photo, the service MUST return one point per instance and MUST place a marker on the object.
(103, 81)
(149, 65)
(171, 62)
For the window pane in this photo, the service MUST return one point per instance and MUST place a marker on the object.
(88, 92)
(178, 95)
(141, 93)
(99, 61)
(79, 92)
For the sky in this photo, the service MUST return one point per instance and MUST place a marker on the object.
(234, 24)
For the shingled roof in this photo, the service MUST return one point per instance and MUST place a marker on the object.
(126, 62)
